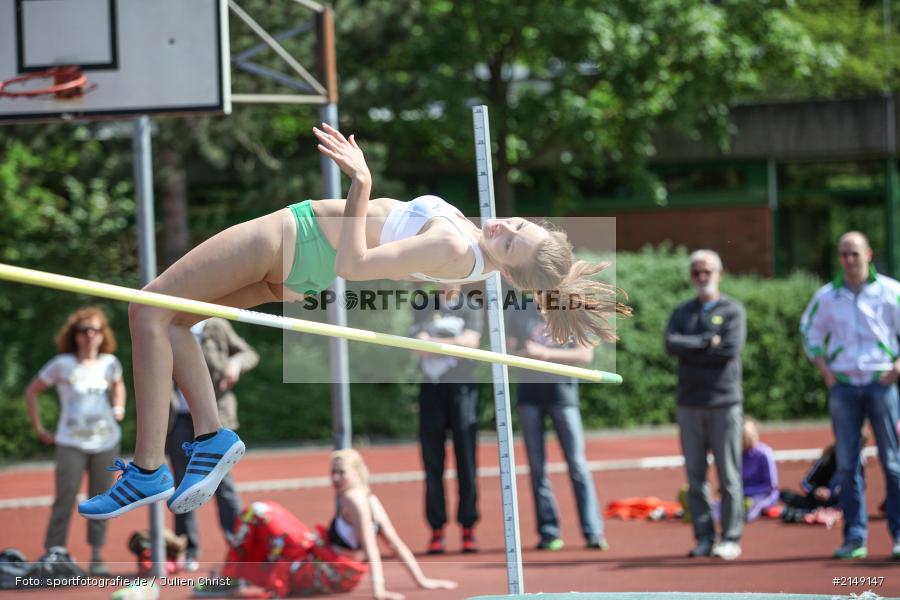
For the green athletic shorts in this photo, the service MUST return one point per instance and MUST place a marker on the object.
(313, 268)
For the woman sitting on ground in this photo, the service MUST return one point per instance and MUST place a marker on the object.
(275, 551)
(297, 251)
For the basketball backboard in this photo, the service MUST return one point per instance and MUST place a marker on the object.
(140, 56)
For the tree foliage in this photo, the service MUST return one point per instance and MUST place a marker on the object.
(65, 206)
(576, 86)
(865, 57)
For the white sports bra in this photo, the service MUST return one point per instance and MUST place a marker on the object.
(407, 220)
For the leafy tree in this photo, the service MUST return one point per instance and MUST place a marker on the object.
(574, 86)
(865, 57)
(65, 206)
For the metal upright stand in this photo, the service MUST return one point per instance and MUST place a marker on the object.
(337, 314)
(500, 372)
(339, 360)
(143, 187)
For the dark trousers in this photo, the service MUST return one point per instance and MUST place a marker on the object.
(71, 464)
(227, 499)
(452, 406)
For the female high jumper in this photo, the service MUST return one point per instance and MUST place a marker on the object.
(300, 250)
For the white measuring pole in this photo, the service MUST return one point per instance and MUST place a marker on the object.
(500, 372)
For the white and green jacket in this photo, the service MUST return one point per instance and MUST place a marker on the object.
(856, 333)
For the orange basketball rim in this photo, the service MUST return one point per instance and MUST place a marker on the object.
(68, 82)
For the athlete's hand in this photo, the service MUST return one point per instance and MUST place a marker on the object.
(423, 335)
(45, 437)
(535, 351)
(230, 375)
(345, 152)
(822, 493)
(889, 377)
(439, 584)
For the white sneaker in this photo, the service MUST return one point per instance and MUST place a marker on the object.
(727, 550)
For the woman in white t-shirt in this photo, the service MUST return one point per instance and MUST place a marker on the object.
(88, 379)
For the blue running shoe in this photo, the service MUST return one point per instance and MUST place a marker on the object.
(211, 460)
(133, 489)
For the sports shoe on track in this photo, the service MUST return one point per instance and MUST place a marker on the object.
(211, 460)
(551, 544)
(703, 548)
(596, 542)
(469, 543)
(727, 550)
(436, 545)
(895, 550)
(98, 569)
(850, 550)
(132, 490)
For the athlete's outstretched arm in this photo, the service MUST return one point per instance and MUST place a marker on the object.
(349, 157)
(387, 532)
(397, 260)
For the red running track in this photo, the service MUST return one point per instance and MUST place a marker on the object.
(645, 556)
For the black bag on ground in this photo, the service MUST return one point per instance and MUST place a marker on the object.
(13, 564)
(56, 564)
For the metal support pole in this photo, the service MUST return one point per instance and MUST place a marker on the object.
(892, 207)
(143, 187)
(772, 194)
(341, 427)
(891, 185)
(500, 373)
(891, 191)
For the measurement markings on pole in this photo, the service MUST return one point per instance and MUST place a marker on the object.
(500, 372)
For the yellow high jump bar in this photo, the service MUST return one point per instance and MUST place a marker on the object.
(117, 292)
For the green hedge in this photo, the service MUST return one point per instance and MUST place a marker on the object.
(778, 381)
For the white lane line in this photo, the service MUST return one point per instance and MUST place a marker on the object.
(301, 483)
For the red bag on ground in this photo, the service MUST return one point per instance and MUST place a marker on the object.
(327, 571)
(276, 551)
(643, 508)
(140, 545)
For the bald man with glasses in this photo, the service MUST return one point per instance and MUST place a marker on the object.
(850, 332)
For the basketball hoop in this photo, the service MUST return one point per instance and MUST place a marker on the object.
(68, 82)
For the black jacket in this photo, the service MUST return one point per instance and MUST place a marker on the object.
(707, 376)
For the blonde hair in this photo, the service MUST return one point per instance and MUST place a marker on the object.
(65, 337)
(749, 432)
(354, 460)
(585, 307)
